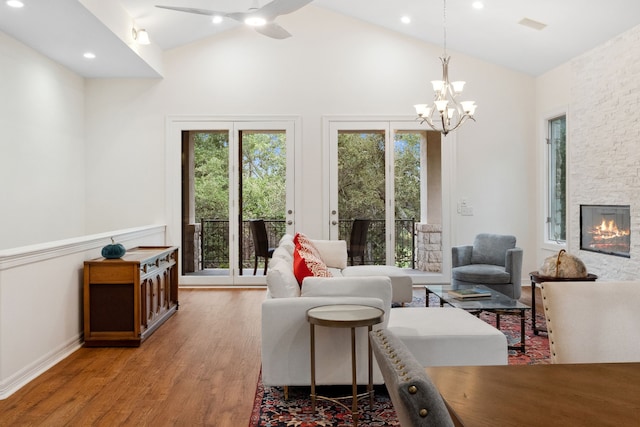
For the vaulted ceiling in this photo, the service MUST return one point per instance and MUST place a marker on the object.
(503, 32)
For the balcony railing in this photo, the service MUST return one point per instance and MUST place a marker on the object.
(214, 241)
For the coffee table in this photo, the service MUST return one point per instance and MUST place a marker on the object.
(498, 303)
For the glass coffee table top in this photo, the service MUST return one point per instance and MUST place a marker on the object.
(497, 300)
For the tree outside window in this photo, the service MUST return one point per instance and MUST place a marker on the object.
(557, 189)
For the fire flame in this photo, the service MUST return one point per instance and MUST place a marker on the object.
(607, 231)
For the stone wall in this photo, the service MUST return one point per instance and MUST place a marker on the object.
(604, 145)
(429, 247)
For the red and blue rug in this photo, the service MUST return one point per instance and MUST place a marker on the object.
(270, 409)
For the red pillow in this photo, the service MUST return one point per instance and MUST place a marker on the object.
(306, 260)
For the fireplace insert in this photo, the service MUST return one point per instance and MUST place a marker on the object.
(605, 229)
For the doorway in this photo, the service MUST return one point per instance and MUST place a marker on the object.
(389, 174)
(233, 172)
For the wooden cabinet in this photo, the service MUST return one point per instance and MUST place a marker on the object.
(126, 299)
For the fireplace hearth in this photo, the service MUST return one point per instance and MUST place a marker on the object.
(605, 229)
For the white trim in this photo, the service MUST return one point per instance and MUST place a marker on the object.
(35, 369)
(10, 258)
(545, 243)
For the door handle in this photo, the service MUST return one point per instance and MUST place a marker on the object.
(334, 222)
(289, 222)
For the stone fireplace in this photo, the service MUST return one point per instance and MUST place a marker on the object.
(605, 229)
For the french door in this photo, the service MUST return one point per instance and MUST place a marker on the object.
(378, 172)
(232, 172)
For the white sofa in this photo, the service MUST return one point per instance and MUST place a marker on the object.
(334, 254)
(437, 336)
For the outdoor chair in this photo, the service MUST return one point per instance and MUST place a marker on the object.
(493, 261)
(358, 240)
(260, 243)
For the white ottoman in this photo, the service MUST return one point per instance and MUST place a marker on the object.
(448, 337)
(401, 283)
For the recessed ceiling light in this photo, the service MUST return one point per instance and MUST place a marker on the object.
(216, 19)
(478, 5)
(15, 3)
(405, 20)
(89, 55)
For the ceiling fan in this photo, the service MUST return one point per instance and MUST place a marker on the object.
(262, 19)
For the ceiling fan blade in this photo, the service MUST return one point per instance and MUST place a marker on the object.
(273, 30)
(281, 7)
(193, 10)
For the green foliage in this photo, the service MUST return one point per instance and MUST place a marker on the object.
(263, 175)
(211, 174)
(407, 175)
(362, 187)
(361, 175)
(558, 180)
(361, 183)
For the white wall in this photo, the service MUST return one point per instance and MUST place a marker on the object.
(41, 301)
(552, 99)
(41, 148)
(605, 133)
(333, 65)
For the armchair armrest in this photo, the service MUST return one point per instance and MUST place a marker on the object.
(513, 265)
(461, 255)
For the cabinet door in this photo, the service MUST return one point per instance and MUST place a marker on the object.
(162, 292)
(149, 312)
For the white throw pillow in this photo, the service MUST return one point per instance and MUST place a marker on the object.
(332, 252)
(281, 282)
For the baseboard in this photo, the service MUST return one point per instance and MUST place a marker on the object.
(30, 372)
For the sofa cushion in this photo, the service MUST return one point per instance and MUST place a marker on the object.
(281, 282)
(306, 260)
(491, 248)
(286, 242)
(481, 273)
(283, 254)
(332, 252)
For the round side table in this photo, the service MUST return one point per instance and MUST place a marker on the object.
(344, 316)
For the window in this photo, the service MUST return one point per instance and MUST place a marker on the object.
(557, 179)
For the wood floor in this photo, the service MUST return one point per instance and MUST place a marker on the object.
(198, 369)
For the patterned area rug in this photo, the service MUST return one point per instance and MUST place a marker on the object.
(270, 409)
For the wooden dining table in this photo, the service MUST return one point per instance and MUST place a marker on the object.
(594, 394)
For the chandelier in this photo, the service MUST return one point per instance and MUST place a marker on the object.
(446, 114)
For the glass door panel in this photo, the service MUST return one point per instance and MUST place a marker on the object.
(263, 193)
(361, 189)
(407, 193)
(230, 175)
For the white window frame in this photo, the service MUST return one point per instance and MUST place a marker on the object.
(550, 241)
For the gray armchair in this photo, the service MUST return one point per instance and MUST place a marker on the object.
(493, 260)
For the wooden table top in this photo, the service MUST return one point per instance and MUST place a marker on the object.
(606, 394)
